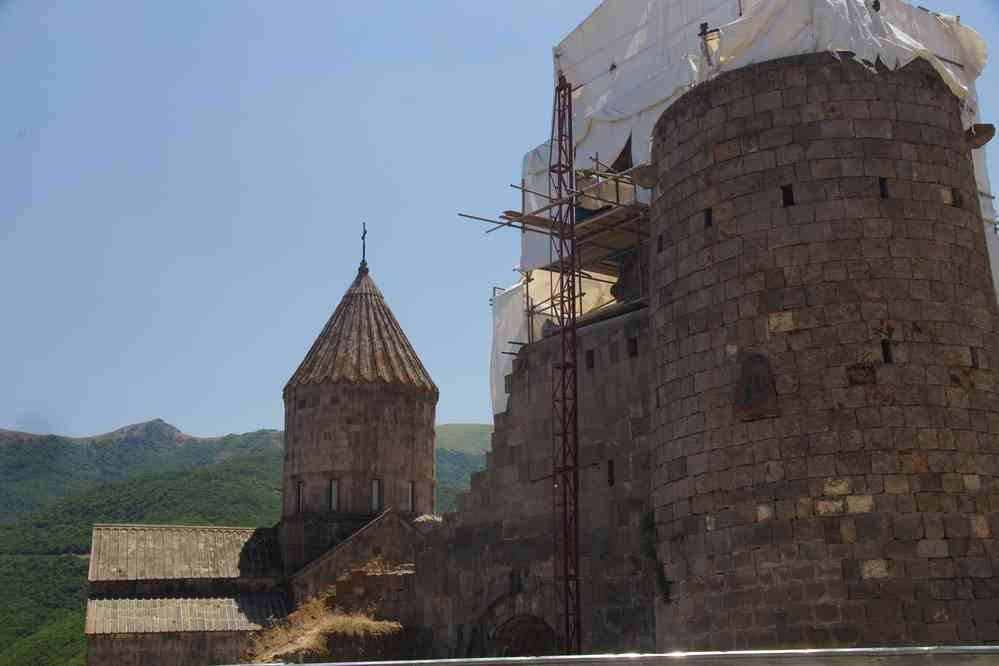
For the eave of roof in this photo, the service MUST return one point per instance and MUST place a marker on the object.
(243, 612)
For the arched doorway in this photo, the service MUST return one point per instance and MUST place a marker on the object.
(525, 636)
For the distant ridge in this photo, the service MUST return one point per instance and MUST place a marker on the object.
(37, 470)
(147, 429)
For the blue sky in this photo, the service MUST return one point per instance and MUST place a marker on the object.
(182, 186)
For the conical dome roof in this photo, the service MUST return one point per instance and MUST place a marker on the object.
(362, 343)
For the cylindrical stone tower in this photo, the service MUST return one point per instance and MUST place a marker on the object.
(827, 416)
(359, 428)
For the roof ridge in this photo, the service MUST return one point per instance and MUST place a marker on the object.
(170, 526)
(193, 597)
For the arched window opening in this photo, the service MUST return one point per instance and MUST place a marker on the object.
(524, 636)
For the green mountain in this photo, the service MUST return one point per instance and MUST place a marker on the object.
(474, 438)
(43, 553)
(37, 470)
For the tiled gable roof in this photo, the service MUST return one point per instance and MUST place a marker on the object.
(243, 612)
(362, 343)
(170, 552)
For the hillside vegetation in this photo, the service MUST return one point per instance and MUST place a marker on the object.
(43, 553)
(474, 438)
(37, 470)
(244, 491)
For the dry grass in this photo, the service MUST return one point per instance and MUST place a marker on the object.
(307, 631)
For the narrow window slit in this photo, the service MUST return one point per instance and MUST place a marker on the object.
(409, 499)
(974, 357)
(883, 183)
(886, 351)
(376, 495)
(787, 192)
(957, 198)
(590, 360)
(632, 347)
(610, 472)
(709, 218)
(659, 243)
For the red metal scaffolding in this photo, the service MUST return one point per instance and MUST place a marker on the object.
(589, 249)
(565, 286)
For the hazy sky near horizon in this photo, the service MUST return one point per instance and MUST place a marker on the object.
(182, 186)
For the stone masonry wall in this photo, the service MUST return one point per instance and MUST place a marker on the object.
(168, 649)
(352, 433)
(491, 562)
(388, 540)
(824, 321)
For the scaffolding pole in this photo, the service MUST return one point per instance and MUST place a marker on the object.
(621, 227)
(565, 284)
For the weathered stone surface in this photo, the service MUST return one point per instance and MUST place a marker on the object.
(196, 649)
(389, 539)
(848, 263)
(492, 560)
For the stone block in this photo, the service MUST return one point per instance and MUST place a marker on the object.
(836, 486)
(980, 527)
(828, 507)
(859, 504)
(874, 569)
(932, 548)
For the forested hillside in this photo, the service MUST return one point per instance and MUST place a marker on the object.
(36, 470)
(474, 438)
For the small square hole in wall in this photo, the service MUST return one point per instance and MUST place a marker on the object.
(709, 218)
(886, 352)
(632, 347)
(957, 197)
(590, 360)
(659, 243)
(787, 193)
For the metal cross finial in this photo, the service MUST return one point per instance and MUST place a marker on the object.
(363, 268)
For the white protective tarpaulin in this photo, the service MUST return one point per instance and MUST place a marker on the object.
(631, 59)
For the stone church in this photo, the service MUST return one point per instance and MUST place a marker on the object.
(359, 462)
(788, 418)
